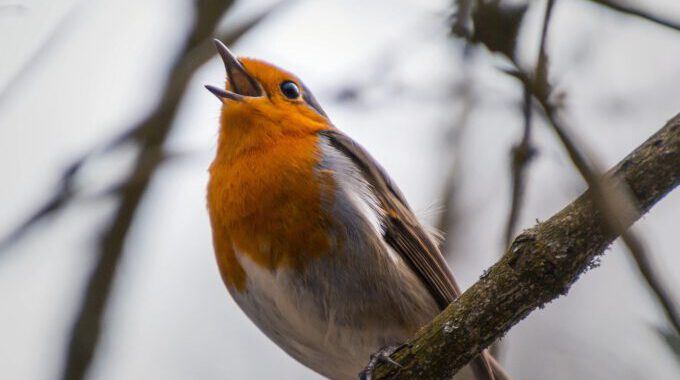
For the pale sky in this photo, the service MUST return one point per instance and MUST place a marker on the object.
(74, 73)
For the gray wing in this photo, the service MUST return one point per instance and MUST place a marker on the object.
(402, 231)
(406, 236)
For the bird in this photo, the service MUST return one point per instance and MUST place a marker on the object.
(313, 240)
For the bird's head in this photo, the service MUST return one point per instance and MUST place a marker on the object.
(261, 101)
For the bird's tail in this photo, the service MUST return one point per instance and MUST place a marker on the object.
(498, 371)
(486, 367)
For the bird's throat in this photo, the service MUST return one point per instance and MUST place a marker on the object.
(267, 203)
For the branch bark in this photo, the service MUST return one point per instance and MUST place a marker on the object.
(541, 264)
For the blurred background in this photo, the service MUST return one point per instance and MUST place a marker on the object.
(106, 133)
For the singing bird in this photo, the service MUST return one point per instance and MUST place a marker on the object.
(313, 240)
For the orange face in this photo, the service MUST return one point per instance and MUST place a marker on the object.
(262, 101)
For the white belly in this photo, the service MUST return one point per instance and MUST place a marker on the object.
(331, 330)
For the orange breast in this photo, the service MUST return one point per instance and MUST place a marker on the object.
(267, 204)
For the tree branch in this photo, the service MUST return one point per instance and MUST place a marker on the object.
(520, 155)
(614, 202)
(541, 264)
(617, 206)
(523, 152)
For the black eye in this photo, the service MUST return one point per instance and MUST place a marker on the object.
(290, 90)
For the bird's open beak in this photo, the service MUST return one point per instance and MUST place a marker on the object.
(241, 83)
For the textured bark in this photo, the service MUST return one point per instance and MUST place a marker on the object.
(540, 265)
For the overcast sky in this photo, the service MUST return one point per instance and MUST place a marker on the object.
(74, 73)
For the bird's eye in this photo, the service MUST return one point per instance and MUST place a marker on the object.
(290, 90)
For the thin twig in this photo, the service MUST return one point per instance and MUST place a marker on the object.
(62, 196)
(541, 72)
(615, 203)
(541, 265)
(67, 191)
(640, 13)
(53, 39)
(520, 154)
(448, 219)
(461, 20)
(646, 268)
(523, 152)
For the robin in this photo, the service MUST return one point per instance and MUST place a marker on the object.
(313, 240)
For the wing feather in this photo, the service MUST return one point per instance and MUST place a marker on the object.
(402, 231)
(408, 238)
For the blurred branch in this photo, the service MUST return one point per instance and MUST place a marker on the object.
(52, 40)
(61, 197)
(615, 203)
(631, 11)
(462, 18)
(541, 74)
(67, 192)
(522, 152)
(448, 218)
(541, 264)
(150, 134)
(672, 340)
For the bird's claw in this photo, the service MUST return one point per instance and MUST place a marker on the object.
(382, 356)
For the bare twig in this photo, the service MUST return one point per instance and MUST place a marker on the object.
(150, 134)
(547, 259)
(641, 13)
(644, 265)
(541, 72)
(53, 37)
(462, 19)
(523, 152)
(59, 199)
(448, 218)
(541, 265)
(614, 203)
(67, 192)
(672, 340)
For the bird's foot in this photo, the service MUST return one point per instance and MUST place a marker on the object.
(382, 356)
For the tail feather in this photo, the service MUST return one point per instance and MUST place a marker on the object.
(482, 368)
(486, 367)
(498, 370)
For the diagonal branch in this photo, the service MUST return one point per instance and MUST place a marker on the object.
(616, 205)
(521, 155)
(541, 264)
(614, 202)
